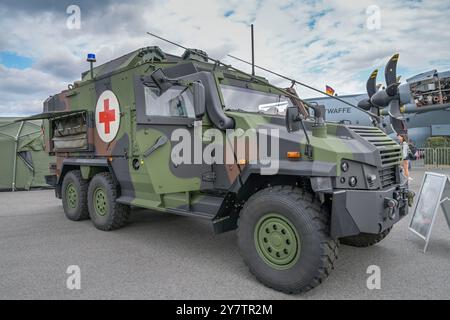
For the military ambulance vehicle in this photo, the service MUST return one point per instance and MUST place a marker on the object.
(115, 132)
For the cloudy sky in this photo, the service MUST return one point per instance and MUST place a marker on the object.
(318, 42)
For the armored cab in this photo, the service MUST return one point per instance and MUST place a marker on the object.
(181, 135)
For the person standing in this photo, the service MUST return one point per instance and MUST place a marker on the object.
(403, 138)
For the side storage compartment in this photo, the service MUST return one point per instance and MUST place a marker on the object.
(70, 133)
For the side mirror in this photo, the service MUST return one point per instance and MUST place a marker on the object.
(199, 99)
(292, 119)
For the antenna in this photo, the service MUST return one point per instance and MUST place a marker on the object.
(253, 51)
(261, 81)
(287, 93)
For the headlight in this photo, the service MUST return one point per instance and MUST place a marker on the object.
(344, 166)
(352, 182)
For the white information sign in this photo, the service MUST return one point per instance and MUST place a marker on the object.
(434, 194)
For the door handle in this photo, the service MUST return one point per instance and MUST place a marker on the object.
(162, 140)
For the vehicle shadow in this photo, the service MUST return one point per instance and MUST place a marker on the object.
(190, 236)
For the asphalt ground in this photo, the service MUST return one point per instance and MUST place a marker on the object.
(160, 256)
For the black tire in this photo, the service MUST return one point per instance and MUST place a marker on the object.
(74, 185)
(317, 251)
(107, 214)
(365, 239)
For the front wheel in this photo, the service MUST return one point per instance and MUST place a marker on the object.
(106, 214)
(283, 235)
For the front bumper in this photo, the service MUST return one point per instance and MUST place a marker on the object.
(367, 211)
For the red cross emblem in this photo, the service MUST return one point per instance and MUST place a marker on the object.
(106, 116)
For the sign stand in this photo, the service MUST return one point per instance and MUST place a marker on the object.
(434, 194)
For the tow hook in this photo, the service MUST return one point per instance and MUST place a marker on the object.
(390, 204)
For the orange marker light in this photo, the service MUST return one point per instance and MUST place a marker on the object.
(242, 162)
(294, 155)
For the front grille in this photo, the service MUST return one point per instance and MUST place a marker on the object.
(390, 151)
(388, 176)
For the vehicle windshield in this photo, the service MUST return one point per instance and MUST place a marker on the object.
(247, 100)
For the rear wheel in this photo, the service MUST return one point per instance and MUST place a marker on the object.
(106, 214)
(74, 196)
(365, 239)
(283, 234)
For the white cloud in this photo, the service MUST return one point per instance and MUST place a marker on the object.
(337, 49)
(23, 91)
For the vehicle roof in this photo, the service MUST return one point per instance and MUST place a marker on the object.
(155, 55)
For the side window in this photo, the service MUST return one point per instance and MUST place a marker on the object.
(175, 102)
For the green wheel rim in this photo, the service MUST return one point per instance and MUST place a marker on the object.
(71, 196)
(277, 241)
(100, 202)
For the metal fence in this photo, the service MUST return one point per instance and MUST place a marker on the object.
(432, 158)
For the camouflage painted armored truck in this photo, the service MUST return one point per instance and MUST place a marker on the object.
(184, 136)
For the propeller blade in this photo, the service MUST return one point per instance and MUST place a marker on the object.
(397, 121)
(394, 109)
(390, 72)
(399, 126)
(371, 85)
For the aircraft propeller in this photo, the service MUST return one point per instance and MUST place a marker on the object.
(389, 97)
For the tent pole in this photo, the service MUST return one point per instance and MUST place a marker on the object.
(16, 148)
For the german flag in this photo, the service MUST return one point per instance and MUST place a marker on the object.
(329, 90)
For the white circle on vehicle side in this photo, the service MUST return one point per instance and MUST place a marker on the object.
(107, 116)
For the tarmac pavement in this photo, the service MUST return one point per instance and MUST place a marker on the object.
(159, 256)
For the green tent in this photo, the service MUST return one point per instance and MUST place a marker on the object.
(23, 160)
